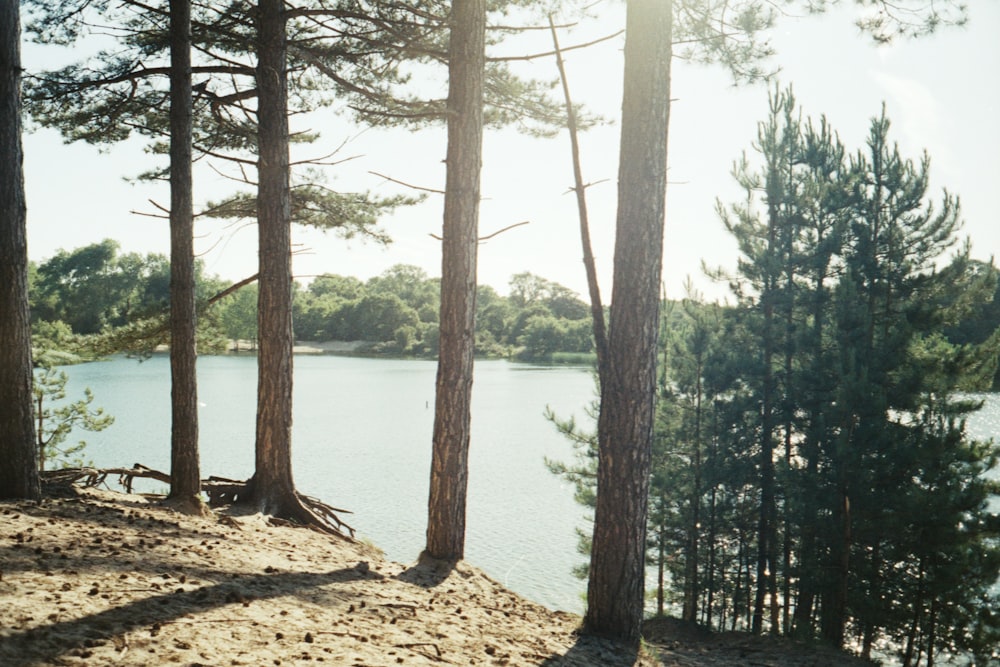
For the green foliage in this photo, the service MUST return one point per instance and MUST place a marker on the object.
(842, 284)
(582, 473)
(93, 301)
(57, 420)
(106, 303)
(236, 314)
(810, 442)
(366, 59)
(398, 311)
(54, 344)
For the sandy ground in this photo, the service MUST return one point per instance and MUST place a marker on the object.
(109, 579)
(102, 578)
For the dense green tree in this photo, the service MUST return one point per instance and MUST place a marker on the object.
(863, 385)
(94, 287)
(236, 315)
(880, 520)
(981, 331)
(377, 315)
(494, 319)
(346, 288)
(410, 283)
(885, 306)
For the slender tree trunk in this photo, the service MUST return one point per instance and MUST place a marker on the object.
(453, 396)
(691, 584)
(808, 561)
(786, 620)
(625, 426)
(185, 472)
(712, 528)
(741, 596)
(765, 525)
(835, 603)
(580, 189)
(931, 630)
(661, 561)
(916, 620)
(875, 595)
(19, 461)
(273, 487)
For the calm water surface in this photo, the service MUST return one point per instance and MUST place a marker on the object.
(362, 441)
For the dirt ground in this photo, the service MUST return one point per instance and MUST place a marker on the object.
(101, 578)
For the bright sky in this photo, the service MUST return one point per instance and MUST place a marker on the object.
(941, 93)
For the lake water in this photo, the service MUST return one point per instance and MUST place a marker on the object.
(362, 441)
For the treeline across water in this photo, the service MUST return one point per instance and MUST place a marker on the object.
(97, 291)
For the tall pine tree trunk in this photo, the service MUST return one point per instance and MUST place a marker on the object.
(692, 587)
(18, 452)
(625, 426)
(453, 397)
(273, 487)
(766, 528)
(185, 474)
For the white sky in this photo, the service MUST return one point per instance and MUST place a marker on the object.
(942, 94)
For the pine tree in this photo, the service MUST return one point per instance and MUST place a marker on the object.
(625, 427)
(185, 470)
(453, 395)
(18, 454)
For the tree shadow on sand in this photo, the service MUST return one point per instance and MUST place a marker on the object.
(589, 651)
(48, 642)
(428, 572)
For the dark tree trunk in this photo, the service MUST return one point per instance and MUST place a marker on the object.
(18, 451)
(692, 585)
(185, 473)
(767, 528)
(835, 601)
(273, 487)
(808, 560)
(661, 561)
(453, 398)
(625, 426)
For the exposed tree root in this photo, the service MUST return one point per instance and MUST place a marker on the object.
(287, 508)
(90, 477)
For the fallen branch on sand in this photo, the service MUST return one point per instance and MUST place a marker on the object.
(221, 492)
(93, 477)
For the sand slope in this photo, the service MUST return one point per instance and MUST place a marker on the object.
(110, 579)
(101, 578)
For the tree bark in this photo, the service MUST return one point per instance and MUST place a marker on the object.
(18, 450)
(767, 529)
(453, 397)
(273, 487)
(185, 472)
(692, 586)
(625, 425)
